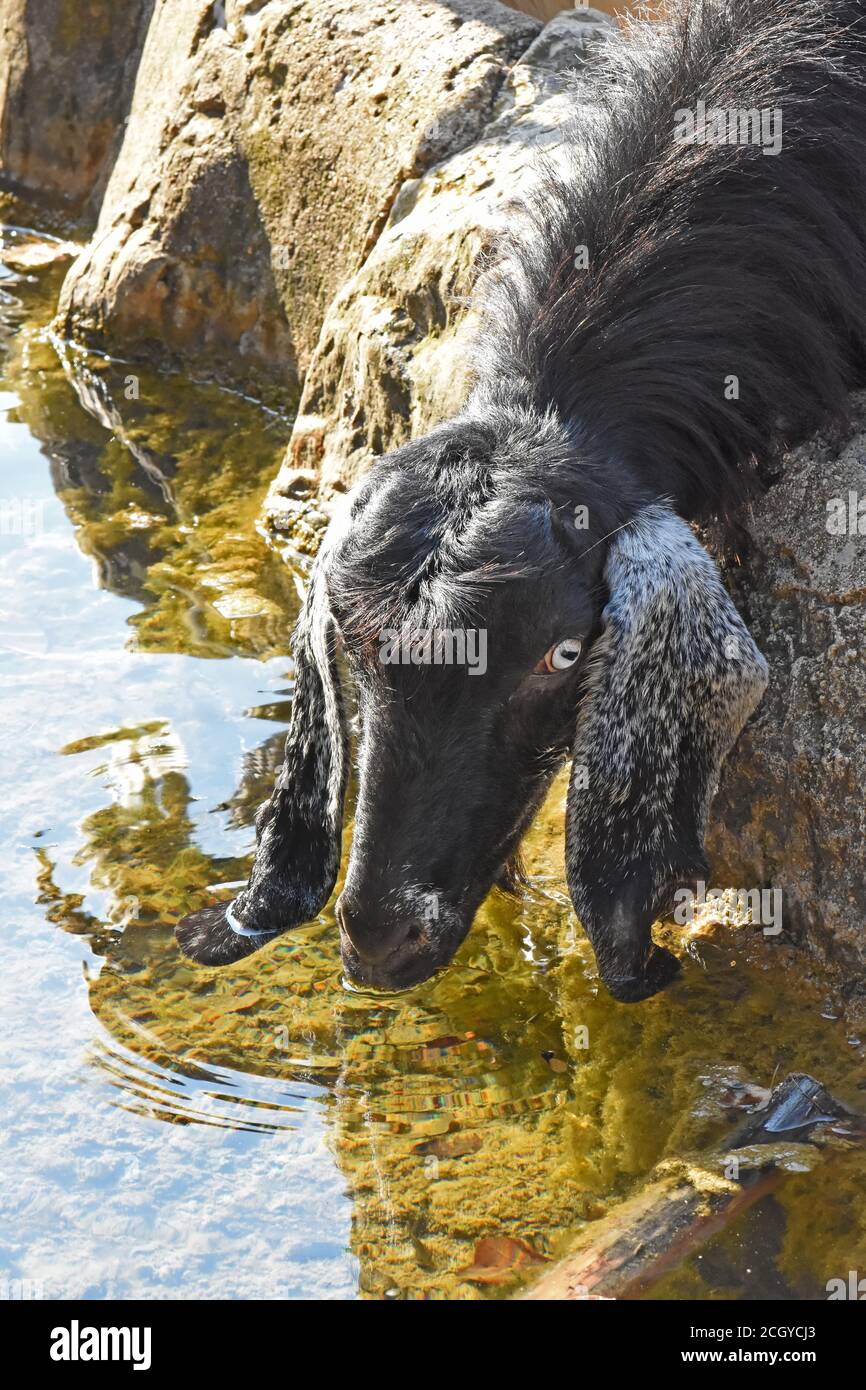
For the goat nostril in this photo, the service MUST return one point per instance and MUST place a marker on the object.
(349, 922)
(370, 935)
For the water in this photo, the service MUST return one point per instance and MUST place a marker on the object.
(268, 1132)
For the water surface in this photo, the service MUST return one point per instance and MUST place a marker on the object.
(171, 1131)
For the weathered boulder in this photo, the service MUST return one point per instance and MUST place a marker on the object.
(390, 360)
(67, 72)
(791, 807)
(265, 147)
(178, 270)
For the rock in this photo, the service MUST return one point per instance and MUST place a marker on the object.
(790, 811)
(264, 149)
(67, 72)
(178, 270)
(390, 360)
(23, 251)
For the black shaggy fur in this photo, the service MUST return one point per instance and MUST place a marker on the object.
(641, 275)
(703, 259)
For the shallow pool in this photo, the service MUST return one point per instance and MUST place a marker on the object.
(171, 1131)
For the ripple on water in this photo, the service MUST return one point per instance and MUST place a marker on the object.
(395, 1063)
(508, 1096)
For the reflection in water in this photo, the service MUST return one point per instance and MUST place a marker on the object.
(507, 1097)
(260, 767)
(510, 1096)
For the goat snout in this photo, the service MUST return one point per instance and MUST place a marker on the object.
(374, 935)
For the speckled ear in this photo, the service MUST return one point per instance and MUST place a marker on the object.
(299, 827)
(673, 677)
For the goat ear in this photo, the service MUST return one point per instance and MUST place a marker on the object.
(674, 675)
(299, 828)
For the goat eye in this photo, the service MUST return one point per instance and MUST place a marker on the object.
(560, 657)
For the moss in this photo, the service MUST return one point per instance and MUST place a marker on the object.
(825, 1234)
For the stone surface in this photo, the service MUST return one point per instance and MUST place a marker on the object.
(390, 360)
(791, 807)
(264, 149)
(67, 72)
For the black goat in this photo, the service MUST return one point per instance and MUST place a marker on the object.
(667, 312)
